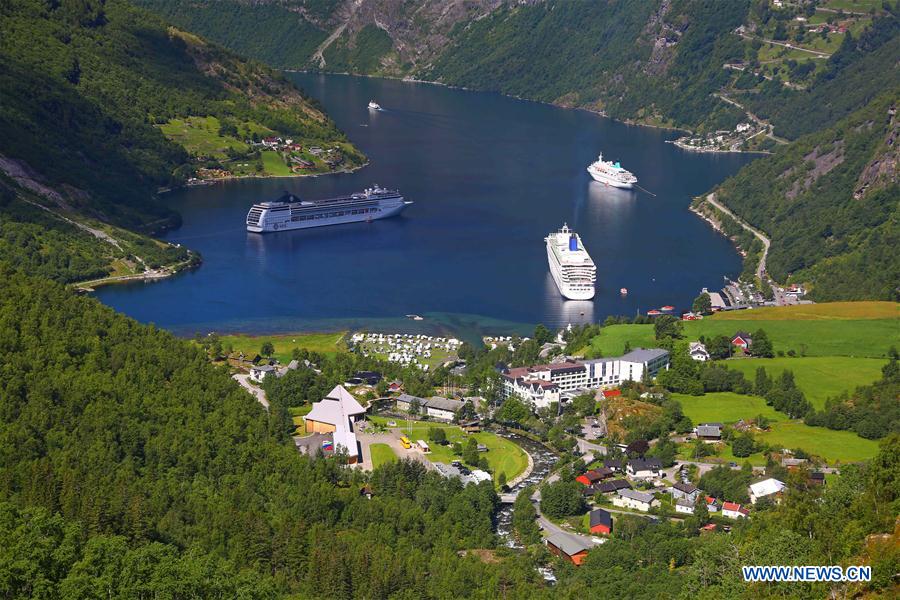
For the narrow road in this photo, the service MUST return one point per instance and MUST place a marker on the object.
(257, 392)
(148, 275)
(761, 268)
(815, 53)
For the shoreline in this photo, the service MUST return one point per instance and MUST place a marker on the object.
(205, 182)
(594, 111)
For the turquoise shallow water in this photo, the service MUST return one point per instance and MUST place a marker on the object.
(490, 177)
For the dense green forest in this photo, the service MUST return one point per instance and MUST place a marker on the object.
(576, 54)
(830, 212)
(81, 107)
(855, 75)
(131, 466)
(266, 32)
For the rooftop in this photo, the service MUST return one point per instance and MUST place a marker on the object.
(642, 355)
(568, 543)
(636, 495)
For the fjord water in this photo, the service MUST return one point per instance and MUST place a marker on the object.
(490, 177)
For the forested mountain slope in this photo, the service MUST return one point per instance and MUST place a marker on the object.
(830, 203)
(132, 467)
(84, 87)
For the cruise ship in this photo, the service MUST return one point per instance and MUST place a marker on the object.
(572, 268)
(290, 212)
(611, 173)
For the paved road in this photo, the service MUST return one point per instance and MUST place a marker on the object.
(258, 393)
(761, 268)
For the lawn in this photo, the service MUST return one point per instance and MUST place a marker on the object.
(809, 337)
(725, 407)
(611, 341)
(324, 343)
(844, 446)
(819, 377)
(200, 136)
(728, 407)
(381, 454)
(503, 456)
(848, 311)
(273, 164)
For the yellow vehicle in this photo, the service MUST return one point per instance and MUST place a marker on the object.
(404, 441)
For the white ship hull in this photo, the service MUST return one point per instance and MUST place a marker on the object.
(270, 217)
(602, 178)
(573, 271)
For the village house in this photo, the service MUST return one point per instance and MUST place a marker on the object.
(260, 372)
(817, 478)
(684, 506)
(709, 432)
(444, 409)
(686, 491)
(742, 339)
(594, 476)
(614, 464)
(600, 521)
(641, 501)
(765, 488)
(568, 546)
(612, 486)
(644, 468)
(733, 510)
(712, 505)
(337, 414)
(697, 351)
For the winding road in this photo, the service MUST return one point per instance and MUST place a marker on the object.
(761, 268)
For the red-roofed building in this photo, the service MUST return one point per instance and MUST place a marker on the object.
(733, 510)
(612, 393)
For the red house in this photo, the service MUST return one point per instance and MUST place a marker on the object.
(612, 393)
(568, 546)
(600, 521)
(594, 476)
(742, 339)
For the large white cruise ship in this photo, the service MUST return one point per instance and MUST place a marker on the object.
(572, 268)
(289, 212)
(611, 173)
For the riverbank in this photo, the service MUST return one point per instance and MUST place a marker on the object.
(212, 181)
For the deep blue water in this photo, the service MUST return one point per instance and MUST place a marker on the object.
(490, 177)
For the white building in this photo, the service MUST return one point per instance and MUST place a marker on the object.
(337, 414)
(684, 506)
(633, 499)
(698, 351)
(640, 468)
(571, 377)
(764, 488)
(260, 372)
(733, 510)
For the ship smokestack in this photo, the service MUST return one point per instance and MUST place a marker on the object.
(573, 243)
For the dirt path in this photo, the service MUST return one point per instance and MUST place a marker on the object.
(258, 393)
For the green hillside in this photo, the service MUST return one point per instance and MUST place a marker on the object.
(829, 204)
(84, 87)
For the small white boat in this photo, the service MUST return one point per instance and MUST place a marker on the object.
(374, 105)
(624, 291)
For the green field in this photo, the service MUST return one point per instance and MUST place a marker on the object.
(503, 456)
(381, 454)
(611, 341)
(250, 345)
(827, 311)
(819, 377)
(273, 164)
(843, 446)
(725, 407)
(822, 337)
(728, 407)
